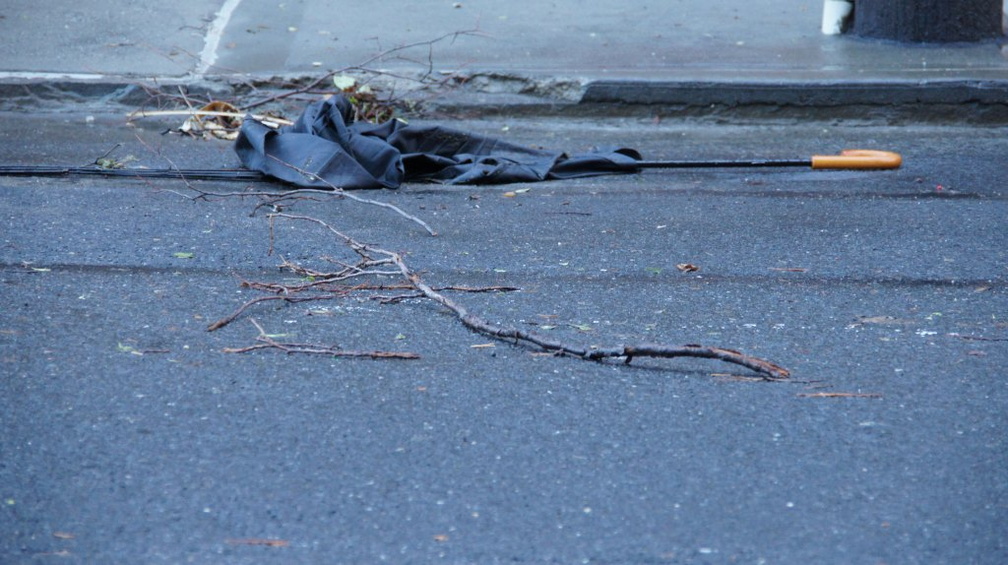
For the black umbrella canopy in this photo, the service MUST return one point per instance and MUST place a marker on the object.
(325, 148)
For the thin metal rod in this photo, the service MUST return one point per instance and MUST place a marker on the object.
(240, 175)
(720, 163)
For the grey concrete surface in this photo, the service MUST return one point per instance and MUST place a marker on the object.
(557, 50)
(95, 39)
(724, 41)
(130, 436)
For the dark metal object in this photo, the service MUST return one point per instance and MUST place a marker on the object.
(930, 21)
(185, 174)
(722, 163)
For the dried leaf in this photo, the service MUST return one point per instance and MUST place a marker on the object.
(217, 119)
(883, 320)
(838, 395)
(259, 541)
(687, 267)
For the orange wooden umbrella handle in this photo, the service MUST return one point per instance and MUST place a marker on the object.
(858, 159)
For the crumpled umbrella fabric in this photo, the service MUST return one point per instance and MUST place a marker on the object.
(325, 148)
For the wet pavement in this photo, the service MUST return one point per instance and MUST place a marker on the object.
(131, 434)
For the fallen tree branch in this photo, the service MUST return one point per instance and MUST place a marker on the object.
(627, 352)
(479, 325)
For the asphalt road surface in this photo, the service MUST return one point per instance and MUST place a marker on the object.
(130, 437)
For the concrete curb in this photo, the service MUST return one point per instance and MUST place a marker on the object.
(828, 94)
(972, 101)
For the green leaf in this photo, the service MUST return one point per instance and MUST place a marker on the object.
(184, 255)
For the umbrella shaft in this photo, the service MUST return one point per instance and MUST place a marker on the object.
(717, 164)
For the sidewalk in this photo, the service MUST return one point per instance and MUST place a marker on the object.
(730, 52)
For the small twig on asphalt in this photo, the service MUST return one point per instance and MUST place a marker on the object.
(265, 341)
(356, 198)
(417, 294)
(241, 309)
(171, 163)
(976, 337)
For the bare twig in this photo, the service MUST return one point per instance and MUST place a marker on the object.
(363, 67)
(417, 294)
(269, 121)
(241, 309)
(275, 198)
(976, 337)
(356, 198)
(266, 341)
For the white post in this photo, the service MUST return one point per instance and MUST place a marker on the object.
(835, 13)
